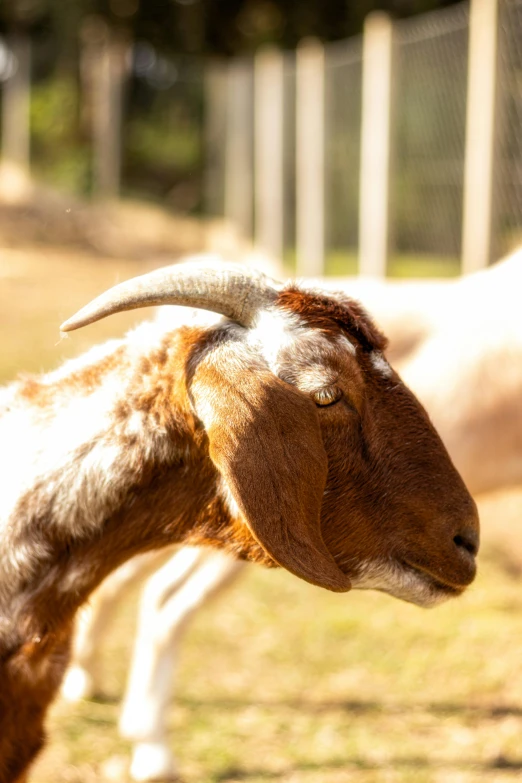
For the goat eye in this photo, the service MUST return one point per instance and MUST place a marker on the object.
(329, 396)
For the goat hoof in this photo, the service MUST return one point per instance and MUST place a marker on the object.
(77, 684)
(153, 761)
(114, 768)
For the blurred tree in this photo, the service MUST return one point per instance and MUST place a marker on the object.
(160, 81)
(202, 26)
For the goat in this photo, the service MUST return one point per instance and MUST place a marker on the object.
(458, 344)
(279, 434)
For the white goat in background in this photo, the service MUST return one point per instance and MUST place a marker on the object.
(458, 344)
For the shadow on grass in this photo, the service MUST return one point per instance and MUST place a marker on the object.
(105, 698)
(364, 765)
(360, 708)
(502, 762)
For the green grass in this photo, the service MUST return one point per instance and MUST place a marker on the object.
(345, 263)
(279, 681)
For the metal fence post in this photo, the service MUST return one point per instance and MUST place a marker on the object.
(268, 151)
(375, 144)
(238, 151)
(480, 135)
(310, 159)
(16, 137)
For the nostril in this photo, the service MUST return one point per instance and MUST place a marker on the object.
(469, 542)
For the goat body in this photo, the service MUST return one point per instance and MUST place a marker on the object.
(458, 345)
(280, 435)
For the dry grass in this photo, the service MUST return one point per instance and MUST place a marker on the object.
(281, 681)
(39, 290)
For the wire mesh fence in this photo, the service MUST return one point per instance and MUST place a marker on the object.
(428, 133)
(507, 201)
(427, 144)
(429, 103)
(189, 138)
(343, 79)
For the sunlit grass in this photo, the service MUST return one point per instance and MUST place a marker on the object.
(39, 290)
(281, 681)
(340, 263)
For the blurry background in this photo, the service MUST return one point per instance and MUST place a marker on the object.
(133, 131)
(338, 139)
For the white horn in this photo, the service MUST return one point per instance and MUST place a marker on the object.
(229, 289)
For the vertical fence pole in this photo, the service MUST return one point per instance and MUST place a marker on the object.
(268, 148)
(16, 100)
(310, 159)
(375, 144)
(238, 152)
(107, 110)
(480, 135)
(215, 134)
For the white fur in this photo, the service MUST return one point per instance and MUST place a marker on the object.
(274, 331)
(152, 761)
(380, 364)
(78, 683)
(388, 577)
(70, 453)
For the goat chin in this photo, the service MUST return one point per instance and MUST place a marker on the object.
(278, 434)
(406, 583)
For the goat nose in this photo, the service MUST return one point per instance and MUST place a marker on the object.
(467, 540)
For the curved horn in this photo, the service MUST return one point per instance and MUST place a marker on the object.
(222, 287)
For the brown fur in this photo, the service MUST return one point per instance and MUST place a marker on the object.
(331, 315)
(81, 381)
(320, 491)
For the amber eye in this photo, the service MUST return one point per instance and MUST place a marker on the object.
(328, 396)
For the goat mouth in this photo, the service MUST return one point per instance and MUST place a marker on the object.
(432, 581)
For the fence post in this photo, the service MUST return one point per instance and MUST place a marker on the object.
(238, 147)
(310, 159)
(268, 151)
(16, 136)
(215, 135)
(480, 135)
(375, 144)
(109, 67)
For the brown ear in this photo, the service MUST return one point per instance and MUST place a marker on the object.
(265, 441)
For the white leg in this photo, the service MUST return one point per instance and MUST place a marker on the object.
(83, 677)
(167, 606)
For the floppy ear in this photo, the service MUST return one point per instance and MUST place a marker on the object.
(265, 441)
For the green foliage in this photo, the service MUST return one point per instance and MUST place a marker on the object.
(162, 144)
(59, 155)
(195, 26)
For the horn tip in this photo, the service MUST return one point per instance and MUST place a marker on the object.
(71, 324)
